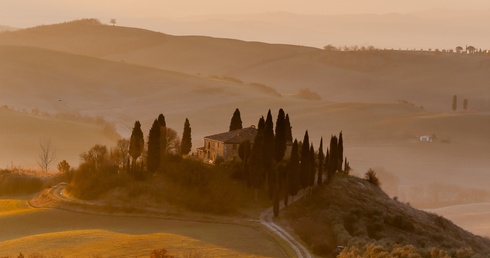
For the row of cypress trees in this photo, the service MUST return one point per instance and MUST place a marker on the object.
(159, 140)
(264, 165)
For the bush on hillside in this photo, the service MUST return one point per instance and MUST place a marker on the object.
(88, 183)
(179, 182)
(372, 178)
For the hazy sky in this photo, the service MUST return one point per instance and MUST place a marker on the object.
(25, 13)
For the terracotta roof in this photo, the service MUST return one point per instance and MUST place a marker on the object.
(236, 136)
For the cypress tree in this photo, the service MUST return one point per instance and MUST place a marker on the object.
(153, 155)
(305, 161)
(280, 137)
(340, 152)
(257, 172)
(279, 152)
(136, 145)
(347, 167)
(163, 137)
(333, 157)
(293, 171)
(320, 163)
(327, 165)
(161, 120)
(465, 104)
(236, 121)
(186, 143)
(289, 133)
(311, 175)
(268, 154)
(244, 150)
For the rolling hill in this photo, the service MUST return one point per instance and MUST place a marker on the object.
(386, 76)
(381, 100)
(22, 133)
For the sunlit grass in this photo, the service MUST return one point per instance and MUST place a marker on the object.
(104, 243)
(10, 207)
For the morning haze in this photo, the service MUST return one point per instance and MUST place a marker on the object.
(233, 128)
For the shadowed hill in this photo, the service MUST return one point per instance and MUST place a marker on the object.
(356, 213)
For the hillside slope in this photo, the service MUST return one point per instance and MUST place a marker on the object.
(382, 100)
(21, 134)
(422, 78)
(355, 214)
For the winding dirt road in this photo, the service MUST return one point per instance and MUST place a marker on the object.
(266, 218)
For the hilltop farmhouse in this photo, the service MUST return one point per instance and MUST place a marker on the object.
(225, 145)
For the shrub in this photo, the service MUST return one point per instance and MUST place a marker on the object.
(89, 184)
(14, 182)
(372, 178)
(400, 222)
(219, 161)
(160, 253)
(374, 229)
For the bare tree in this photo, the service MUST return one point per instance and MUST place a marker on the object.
(47, 155)
(119, 153)
(171, 143)
(113, 21)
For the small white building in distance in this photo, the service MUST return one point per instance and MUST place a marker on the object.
(425, 138)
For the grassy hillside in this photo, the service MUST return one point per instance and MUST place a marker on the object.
(382, 100)
(424, 78)
(358, 215)
(21, 133)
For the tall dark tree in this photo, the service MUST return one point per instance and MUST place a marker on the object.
(333, 157)
(257, 171)
(268, 154)
(321, 157)
(186, 143)
(153, 155)
(311, 175)
(293, 171)
(279, 152)
(275, 197)
(136, 145)
(347, 167)
(163, 136)
(236, 121)
(289, 133)
(161, 120)
(455, 103)
(305, 161)
(327, 165)
(244, 151)
(340, 152)
(280, 137)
